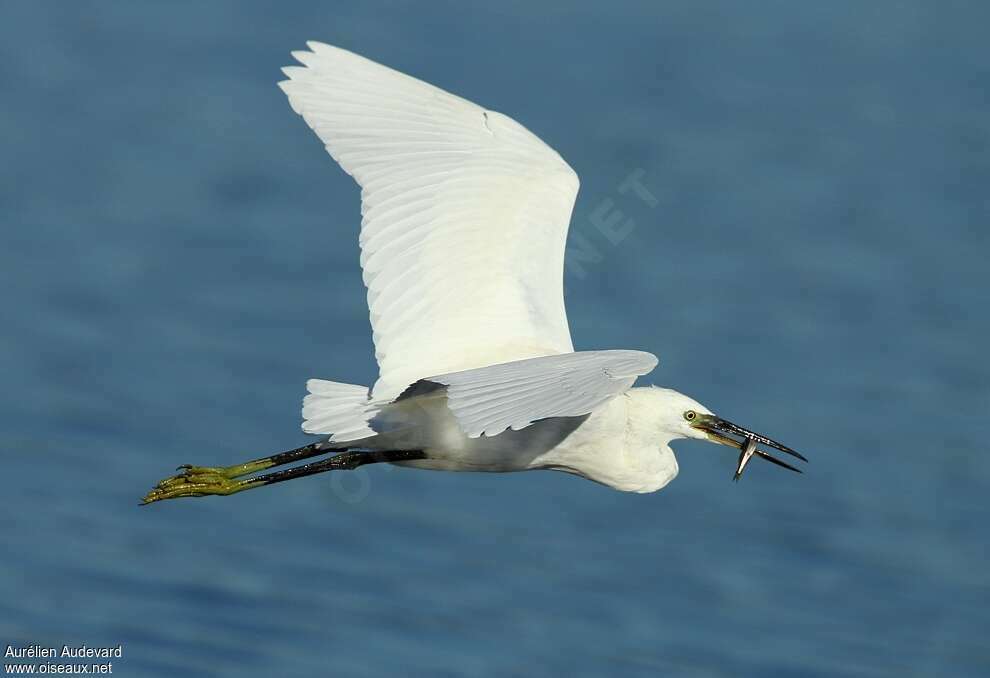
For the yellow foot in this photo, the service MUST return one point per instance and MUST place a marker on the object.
(200, 481)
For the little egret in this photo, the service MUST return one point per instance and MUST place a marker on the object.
(464, 221)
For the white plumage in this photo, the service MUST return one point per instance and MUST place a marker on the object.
(464, 221)
(465, 217)
(488, 400)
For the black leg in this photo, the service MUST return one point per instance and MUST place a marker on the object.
(198, 481)
(220, 476)
(346, 461)
(255, 465)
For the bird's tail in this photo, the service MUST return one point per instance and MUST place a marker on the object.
(342, 411)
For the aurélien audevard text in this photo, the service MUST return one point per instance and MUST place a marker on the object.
(78, 651)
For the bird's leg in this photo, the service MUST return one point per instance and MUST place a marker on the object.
(207, 481)
(218, 476)
(248, 467)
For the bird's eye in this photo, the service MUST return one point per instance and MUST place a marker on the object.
(690, 415)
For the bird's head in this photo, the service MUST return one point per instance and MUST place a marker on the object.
(684, 417)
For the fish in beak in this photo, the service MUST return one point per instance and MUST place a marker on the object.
(719, 430)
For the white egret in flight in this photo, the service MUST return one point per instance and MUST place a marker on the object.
(464, 221)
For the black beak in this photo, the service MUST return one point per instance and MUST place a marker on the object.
(719, 430)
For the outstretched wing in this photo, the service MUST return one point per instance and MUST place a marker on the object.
(465, 216)
(488, 400)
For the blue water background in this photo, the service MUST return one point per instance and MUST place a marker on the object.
(178, 255)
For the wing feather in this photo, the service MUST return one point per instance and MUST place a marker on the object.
(489, 400)
(464, 217)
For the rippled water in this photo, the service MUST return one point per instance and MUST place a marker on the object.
(179, 255)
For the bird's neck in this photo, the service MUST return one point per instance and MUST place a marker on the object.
(647, 448)
(652, 414)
